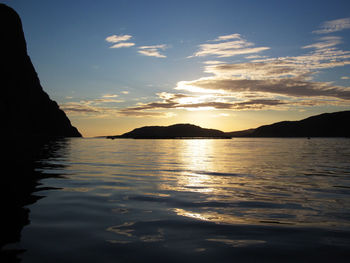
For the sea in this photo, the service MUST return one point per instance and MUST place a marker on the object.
(188, 200)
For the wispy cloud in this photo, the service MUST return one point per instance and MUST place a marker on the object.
(283, 76)
(110, 96)
(239, 46)
(255, 70)
(92, 107)
(105, 100)
(259, 82)
(291, 87)
(149, 114)
(120, 41)
(116, 38)
(123, 44)
(255, 57)
(334, 26)
(101, 108)
(152, 51)
(78, 108)
(170, 101)
(213, 62)
(262, 83)
(325, 42)
(227, 37)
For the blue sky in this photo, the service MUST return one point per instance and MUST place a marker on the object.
(117, 65)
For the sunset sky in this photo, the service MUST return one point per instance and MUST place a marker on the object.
(113, 66)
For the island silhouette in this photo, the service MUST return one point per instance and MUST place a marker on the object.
(334, 124)
(177, 131)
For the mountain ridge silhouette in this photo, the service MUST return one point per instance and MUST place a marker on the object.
(322, 125)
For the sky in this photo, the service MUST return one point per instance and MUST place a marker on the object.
(113, 66)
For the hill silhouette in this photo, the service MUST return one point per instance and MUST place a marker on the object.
(25, 107)
(171, 132)
(334, 124)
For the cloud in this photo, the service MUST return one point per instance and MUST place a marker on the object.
(244, 105)
(76, 107)
(263, 83)
(99, 108)
(333, 26)
(345, 77)
(294, 87)
(116, 38)
(283, 76)
(227, 37)
(326, 42)
(213, 62)
(228, 48)
(171, 101)
(258, 83)
(125, 92)
(325, 55)
(110, 96)
(162, 46)
(152, 51)
(199, 102)
(256, 70)
(94, 107)
(288, 77)
(120, 41)
(98, 101)
(123, 44)
(255, 57)
(140, 114)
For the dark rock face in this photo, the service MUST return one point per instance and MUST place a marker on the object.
(25, 108)
(324, 125)
(173, 131)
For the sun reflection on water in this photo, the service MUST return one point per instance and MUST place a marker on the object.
(195, 155)
(238, 181)
(199, 195)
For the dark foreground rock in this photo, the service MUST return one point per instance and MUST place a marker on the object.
(25, 108)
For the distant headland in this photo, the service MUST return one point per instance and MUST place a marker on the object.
(334, 124)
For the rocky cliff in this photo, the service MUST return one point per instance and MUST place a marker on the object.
(25, 107)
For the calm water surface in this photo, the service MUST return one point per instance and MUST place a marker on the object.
(239, 200)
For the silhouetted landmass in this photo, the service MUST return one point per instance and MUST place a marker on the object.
(25, 108)
(334, 124)
(243, 133)
(30, 126)
(172, 132)
(324, 125)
